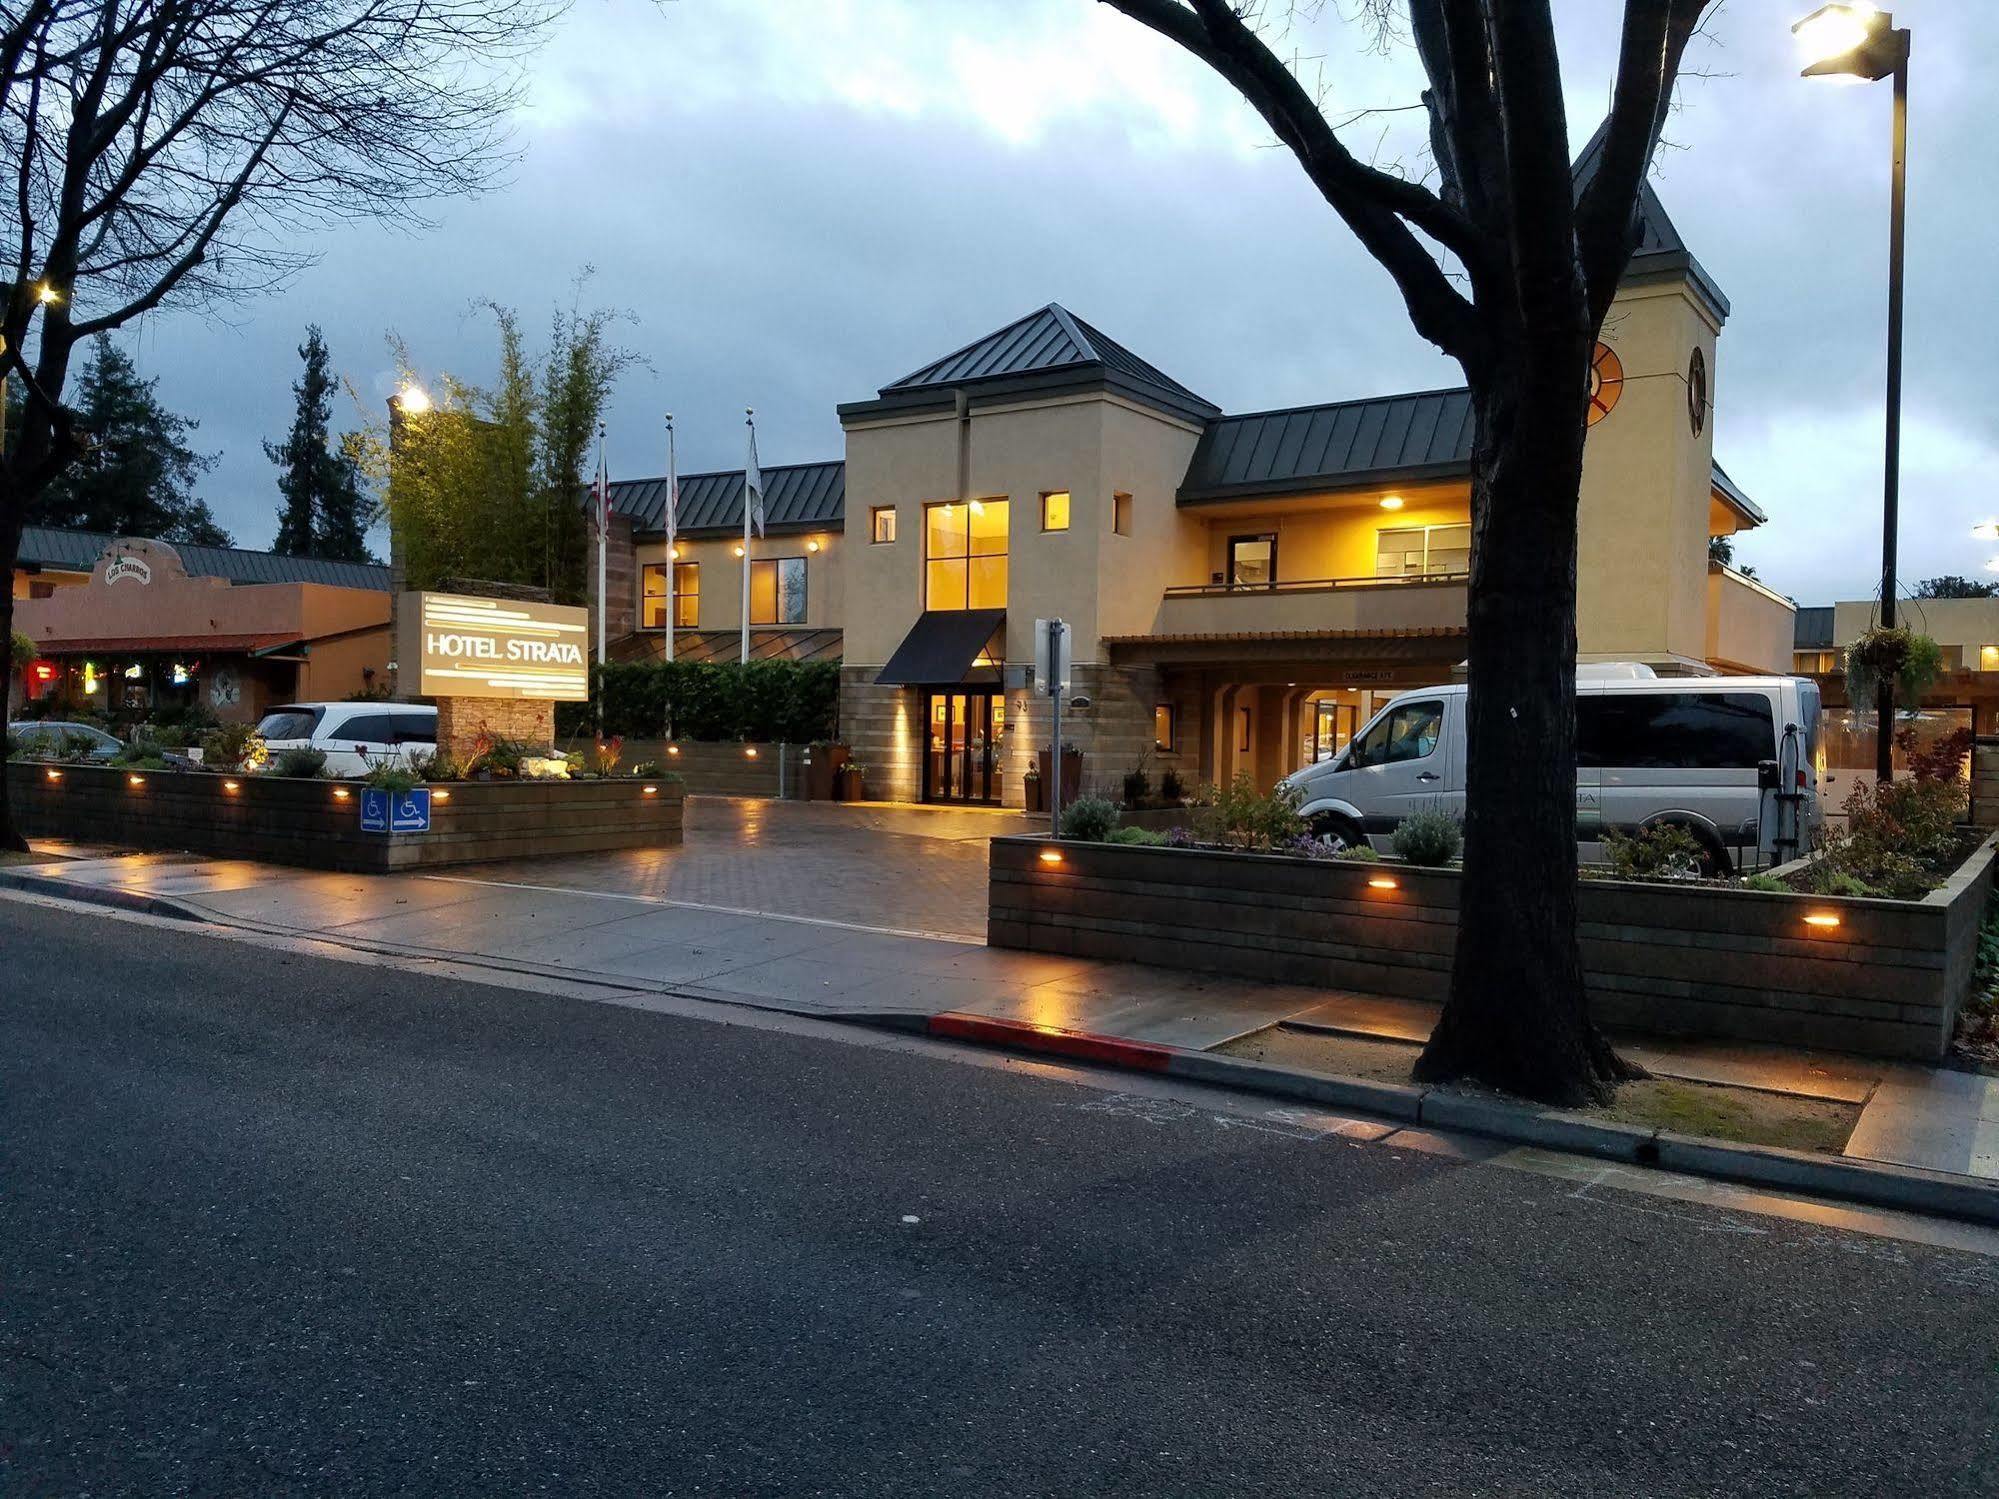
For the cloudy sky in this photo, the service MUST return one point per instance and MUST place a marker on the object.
(797, 201)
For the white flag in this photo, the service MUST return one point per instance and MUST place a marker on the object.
(753, 485)
(672, 488)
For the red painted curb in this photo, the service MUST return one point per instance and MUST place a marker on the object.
(1085, 1046)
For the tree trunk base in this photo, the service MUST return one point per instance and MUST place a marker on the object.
(1570, 1066)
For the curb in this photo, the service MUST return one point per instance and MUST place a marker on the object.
(97, 895)
(1906, 1189)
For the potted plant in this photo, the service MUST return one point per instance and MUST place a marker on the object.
(1913, 661)
(819, 770)
(1072, 773)
(850, 782)
(1031, 782)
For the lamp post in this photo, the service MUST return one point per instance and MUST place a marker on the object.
(1858, 41)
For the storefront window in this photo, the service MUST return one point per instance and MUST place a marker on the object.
(964, 551)
(777, 591)
(686, 596)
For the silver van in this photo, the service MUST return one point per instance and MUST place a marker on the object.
(1734, 760)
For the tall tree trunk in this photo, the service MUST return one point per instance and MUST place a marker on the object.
(1518, 1018)
(10, 839)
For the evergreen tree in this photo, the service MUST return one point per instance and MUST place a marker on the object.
(323, 512)
(137, 474)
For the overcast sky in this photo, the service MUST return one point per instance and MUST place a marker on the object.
(798, 201)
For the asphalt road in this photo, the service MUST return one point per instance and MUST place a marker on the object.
(275, 1224)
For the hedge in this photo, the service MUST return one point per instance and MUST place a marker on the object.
(794, 702)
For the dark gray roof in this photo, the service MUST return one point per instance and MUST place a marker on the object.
(1813, 629)
(1660, 245)
(1345, 444)
(1049, 338)
(78, 551)
(797, 497)
(1352, 445)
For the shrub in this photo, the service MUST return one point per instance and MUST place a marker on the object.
(1768, 882)
(1430, 838)
(1171, 786)
(1360, 853)
(1311, 846)
(498, 756)
(1137, 786)
(434, 765)
(1901, 837)
(304, 763)
(13, 745)
(1089, 819)
(796, 702)
(1914, 661)
(389, 776)
(604, 754)
(76, 748)
(1240, 816)
(1140, 837)
(1665, 850)
(231, 745)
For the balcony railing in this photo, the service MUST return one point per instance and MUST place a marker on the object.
(1313, 585)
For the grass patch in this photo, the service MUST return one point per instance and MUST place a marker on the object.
(1746, 1115)
(15, 856)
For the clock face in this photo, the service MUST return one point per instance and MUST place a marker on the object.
(1697, 392)
(1606, 382)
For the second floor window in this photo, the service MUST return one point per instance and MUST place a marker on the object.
(686, 596)
(964, 555)
(881, 523)
(777, 591)
(1253, 560)
(1422, 551)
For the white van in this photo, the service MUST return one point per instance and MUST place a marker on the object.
(354, 736)
(1734, 760)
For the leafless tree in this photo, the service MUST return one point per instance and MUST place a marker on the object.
(186, 152)
(1538, 266)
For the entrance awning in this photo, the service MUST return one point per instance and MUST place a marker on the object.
(946, 647)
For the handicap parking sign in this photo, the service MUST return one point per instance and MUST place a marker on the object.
(395, 811)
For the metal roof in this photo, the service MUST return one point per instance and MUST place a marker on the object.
(724, 645)
(1425, 435)
(1351, 445)
(797, 497)
(77, 551)
(1048, 340)
(1813, 629)
(1660, 245)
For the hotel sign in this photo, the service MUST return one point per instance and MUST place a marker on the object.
(476, 647)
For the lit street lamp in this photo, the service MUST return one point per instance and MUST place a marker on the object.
(1858, 41)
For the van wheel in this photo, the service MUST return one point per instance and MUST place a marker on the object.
(1341, 832)
(1714, 861)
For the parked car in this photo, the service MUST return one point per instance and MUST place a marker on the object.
(1734, 760)
(353, 736)
(46, 739)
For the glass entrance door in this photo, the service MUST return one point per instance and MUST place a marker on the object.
(961, 752)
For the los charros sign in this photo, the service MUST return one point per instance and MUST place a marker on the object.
(500, 648)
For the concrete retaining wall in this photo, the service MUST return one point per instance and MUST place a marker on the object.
(715, 767)
(1736, 964)
(1985, 783)
(288, 821)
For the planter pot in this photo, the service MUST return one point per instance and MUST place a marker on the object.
(1072, 774)
(848, 784)
(1036, 802)
(819, 771)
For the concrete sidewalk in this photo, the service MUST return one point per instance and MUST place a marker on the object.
(847, 969)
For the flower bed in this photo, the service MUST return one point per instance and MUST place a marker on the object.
(317, 823)
(1874, 976)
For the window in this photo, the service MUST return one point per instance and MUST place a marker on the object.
(289, 723)
(1409, 732)
(1253, 560)
(1163, 725)
(964, 555)
(1675, 730)
(881, 523)
(1242, 731)
(1422, 551)
(1055, 510)
(777, 591)
(365, 728)
(686, 596)
(1121, 513)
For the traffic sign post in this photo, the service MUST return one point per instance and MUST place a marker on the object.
(1051, 675)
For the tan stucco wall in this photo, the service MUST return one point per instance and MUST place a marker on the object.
(1340, 541)
(25, 582)
(722, 575)
(1969, 624)
(1749, 627)
(1647, 488)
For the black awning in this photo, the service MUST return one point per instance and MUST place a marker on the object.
(941, 647)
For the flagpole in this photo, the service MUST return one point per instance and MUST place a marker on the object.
(672, 532)
(603, 540)
(750, 421)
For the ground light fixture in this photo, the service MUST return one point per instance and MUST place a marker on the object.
(232, 786)
(135, 780)
(341, 793)
(1824, 920)
(1857, 41)
(750, 751)
(1382, 882)
(53, 774)
(440, 796)
(673, 749)
(652, 791)
(1051, 856)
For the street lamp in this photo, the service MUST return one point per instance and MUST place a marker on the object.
(1858, 41)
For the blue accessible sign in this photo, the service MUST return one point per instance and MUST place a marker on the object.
(395, 811)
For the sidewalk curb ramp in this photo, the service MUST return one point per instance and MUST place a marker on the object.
(1872, 1183)
(95, 895)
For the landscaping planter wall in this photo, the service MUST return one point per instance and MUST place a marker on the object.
(1698, 961)
(306, 822)
(716, 768)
